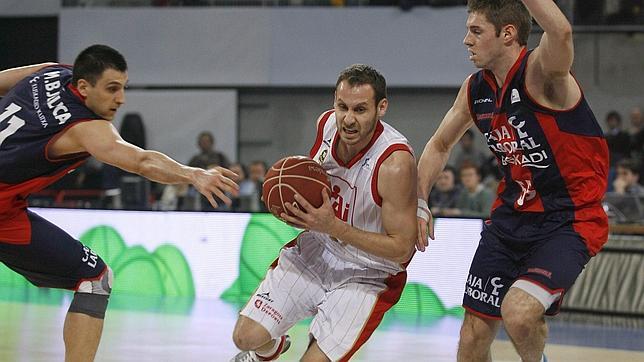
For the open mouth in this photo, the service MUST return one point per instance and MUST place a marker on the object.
(349, 131)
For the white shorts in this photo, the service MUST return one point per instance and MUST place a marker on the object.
(346, 302)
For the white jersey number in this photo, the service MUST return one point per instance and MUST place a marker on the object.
(14, 122)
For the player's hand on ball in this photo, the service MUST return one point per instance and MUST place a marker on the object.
(216, 181)
(308, 217)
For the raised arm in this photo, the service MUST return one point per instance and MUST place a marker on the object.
(434, 157)
(101, 140)
(9, 77)
(396, 187)
(555, 52)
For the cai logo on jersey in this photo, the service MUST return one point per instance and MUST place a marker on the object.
(343, 197)
(521, 150)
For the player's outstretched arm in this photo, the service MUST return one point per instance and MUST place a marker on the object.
(9, 77)
(396, 187)
(434, 157)
(555, 52)
(101, 140)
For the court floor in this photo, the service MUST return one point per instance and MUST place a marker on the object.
(32, 332)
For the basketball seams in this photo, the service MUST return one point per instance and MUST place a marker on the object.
(291, 175)
(301, 162)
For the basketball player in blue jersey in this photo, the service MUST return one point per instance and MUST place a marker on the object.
(547, 220)
(52, 118)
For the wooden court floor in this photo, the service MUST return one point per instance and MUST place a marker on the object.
(32, 332)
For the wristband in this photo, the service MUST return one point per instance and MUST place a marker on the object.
(423, 210)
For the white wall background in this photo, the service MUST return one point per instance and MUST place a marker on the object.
(273, 46)
(173, 119)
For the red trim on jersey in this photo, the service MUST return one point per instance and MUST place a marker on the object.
(510, 76)
(470, 106)
(336, 139)
(70, 156)
(481, 314)
(320, 132)
(579, 159)
(89, 279)
(488, 77)
(374, 179)
(12, 197)
(16, 230)
(386, 299)
(75, 92)
(499, 190)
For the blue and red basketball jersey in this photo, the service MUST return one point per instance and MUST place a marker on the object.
(554, 163)
(32, 115)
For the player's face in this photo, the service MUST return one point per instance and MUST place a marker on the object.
(481, 40)
(356, 113)
(106, 96)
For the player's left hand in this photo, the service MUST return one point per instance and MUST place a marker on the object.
(308, 217)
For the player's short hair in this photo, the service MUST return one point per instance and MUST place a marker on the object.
(359, 74)
(503, 12)
(94, 60)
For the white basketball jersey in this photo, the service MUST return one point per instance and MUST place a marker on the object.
(355, 187)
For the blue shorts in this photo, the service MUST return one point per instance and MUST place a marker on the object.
(46, 255)
(552, 264)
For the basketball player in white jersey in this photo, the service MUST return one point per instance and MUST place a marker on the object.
(348, 268)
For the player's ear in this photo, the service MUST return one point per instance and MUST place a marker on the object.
(382, 107)
(509, 34)
(82, 86)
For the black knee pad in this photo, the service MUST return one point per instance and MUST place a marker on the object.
(92, 295)
(94, 305)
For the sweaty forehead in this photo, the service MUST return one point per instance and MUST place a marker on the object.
(355, 94)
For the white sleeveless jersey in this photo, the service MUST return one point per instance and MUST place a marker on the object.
(355, 188)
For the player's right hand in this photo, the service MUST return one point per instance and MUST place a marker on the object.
(216, 181)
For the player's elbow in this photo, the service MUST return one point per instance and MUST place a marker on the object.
(403, 253)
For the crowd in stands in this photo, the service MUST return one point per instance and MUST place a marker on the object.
(465, 188)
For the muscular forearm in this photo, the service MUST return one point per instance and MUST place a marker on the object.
(430, 165)
(385, 246)
(10, 77)
(160, 168)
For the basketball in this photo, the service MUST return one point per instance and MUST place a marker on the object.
(290, 175)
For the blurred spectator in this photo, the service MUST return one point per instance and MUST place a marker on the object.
(627, 180)
(467, 152)
(208, 157)
(247, 190)
(637, 123)
(256, 172)
(475, 199)
(637, 136)
(618, 140)
(442, 199)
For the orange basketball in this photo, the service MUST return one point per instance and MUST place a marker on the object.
(290, 175)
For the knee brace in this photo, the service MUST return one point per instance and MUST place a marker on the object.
(91, 295)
